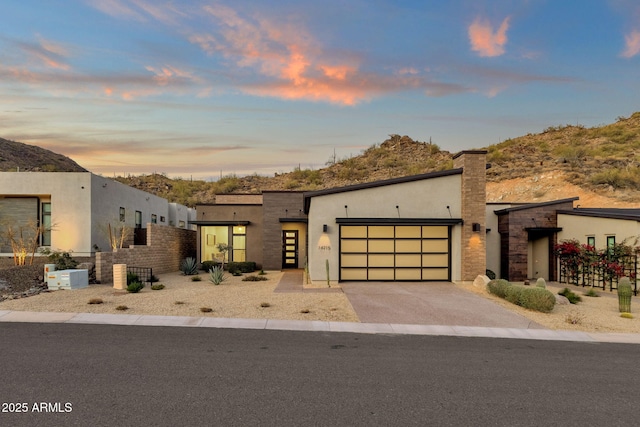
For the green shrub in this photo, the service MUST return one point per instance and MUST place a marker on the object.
(513, 293)
(196, 278)
(537, 299)
(498, 287)
(217, 276)
(95, 301)
(490, 274)
(541, 283)
(189, 266)
(122, 308)
(254, 278)
(208, 265)
(206, 309)
(591, 293)
(132, 277)
(62, 259)
(262, 273)
(570, 295)
(243, 267)
(135, 287)
(157, 287)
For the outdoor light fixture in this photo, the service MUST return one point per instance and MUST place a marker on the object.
(475, 227)
(324, 228)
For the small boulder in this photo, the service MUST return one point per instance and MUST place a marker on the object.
(562, 300)
(481, 281)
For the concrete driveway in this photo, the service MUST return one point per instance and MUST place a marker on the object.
(428, 303)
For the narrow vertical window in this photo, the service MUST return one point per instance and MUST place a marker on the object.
(591, 241)
(154, 219)
(138, 219)
(46, 224)
(122, 212)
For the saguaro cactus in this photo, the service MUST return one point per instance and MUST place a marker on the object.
(624, 295)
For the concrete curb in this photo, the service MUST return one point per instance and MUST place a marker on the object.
(303, 325)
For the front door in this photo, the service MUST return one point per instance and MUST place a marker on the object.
(290, 249)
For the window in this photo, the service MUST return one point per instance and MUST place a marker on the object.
(181, 224)
(162, 219)
(154, 219)
(46, 224)
(239, 244)
(138, 219)
(611, 241)
(591, 241)
(122, 216)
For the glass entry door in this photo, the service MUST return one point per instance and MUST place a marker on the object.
(290, 249)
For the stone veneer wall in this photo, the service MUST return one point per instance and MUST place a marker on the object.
(278, 205)
(514, 238)
(474, 198)
(165, 249)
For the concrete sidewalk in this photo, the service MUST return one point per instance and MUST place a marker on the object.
(299, 325)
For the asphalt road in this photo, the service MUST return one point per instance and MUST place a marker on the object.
(101, 375)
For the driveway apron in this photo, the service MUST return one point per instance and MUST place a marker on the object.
(428, 303)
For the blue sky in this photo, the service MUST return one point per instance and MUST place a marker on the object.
(199, 88)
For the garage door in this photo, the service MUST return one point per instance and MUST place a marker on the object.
(394, 252)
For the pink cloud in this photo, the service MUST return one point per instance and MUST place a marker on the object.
(484, 40)
(632, 44)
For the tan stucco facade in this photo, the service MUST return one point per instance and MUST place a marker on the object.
(582, 227)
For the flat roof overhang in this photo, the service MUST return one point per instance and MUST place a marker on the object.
(400, 221)
(298, 220)
(220, 222)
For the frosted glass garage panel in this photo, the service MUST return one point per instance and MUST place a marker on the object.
(439, 231)
(353, 274)
(381, 231)
(381, 245)
(408, 232)
(381, 274)
(435, 274)
(408, 246)
(435, 260)
(381, 260)
(353, 231)
(413, 260)
(408, 274)
(435, 246)
(353, 260)
(354, 246)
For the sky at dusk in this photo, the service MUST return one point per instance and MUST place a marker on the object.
(202, 88)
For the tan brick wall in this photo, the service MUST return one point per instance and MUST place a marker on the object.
(165, 249)
(474, 197)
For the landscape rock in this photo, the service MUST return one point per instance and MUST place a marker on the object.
(562, 300)
(481, 281)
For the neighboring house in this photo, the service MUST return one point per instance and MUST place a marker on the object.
(428, 227)
(79, 206)
(600, 228)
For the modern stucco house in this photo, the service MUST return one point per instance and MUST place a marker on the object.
(424, 227)
(79, 206)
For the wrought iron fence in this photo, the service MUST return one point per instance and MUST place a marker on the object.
(599, 271)
(145, 274)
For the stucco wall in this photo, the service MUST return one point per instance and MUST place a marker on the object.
(580, 227)
(493, 236)
(426, 198)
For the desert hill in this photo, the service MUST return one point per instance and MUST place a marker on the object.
(16, 156)
(601, 165)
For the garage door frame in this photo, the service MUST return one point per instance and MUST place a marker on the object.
(390, 272)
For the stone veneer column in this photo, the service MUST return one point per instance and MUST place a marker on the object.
(474, 198)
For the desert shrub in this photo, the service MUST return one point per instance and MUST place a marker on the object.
(498, 287)
(265, 304)
(570, 295)
(591, 293)
(574, 318)
(206, 309)
(132, 277)
(537, 299)
(61, 259)
(196, 278)
(95, 301)
(490, 274)
(262, 273)
(135, 287)
(512, 294)
(208, 265)
(122, 308)
(254, 278)
(217, 276)
(157, 287)
(243, 267)
(541, 283)
(305, 311)
(189, 266)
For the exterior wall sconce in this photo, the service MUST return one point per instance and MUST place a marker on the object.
(324, 228)
(475, 227)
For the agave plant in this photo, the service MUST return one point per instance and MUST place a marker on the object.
(189, 266)
(216, 275)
